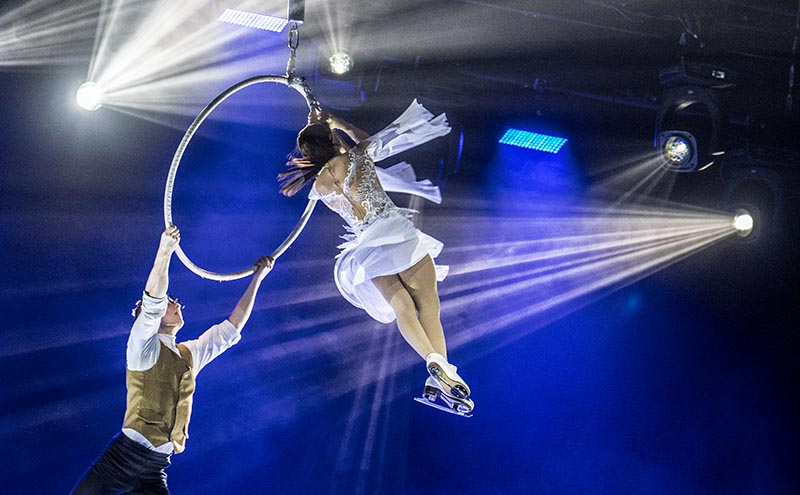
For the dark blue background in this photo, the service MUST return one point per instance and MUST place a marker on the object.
(683, 383)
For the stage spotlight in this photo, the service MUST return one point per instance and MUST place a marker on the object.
(759, 193)
(743, 222)
(678, 151)
(89, 96)
(688, 127)
(341, 63)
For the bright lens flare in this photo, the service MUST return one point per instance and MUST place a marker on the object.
(162, 59)
(341, 62)
(89, 96)
(677, 150)
(743, 223)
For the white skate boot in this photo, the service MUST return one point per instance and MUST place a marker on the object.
(445, 374)
(451, 404)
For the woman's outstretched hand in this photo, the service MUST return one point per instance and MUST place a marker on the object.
(317, 115)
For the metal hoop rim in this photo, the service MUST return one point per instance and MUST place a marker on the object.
(299, 85)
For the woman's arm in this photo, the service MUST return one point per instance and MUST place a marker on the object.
(352, 131)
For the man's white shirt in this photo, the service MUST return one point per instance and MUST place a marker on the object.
(144, 348)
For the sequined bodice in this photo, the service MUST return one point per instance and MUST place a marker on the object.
(363, 199)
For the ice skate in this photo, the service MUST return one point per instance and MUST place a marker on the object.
(445, 374)
(453, 405)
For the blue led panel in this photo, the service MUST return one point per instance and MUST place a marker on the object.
(533, 141)
(257, 21)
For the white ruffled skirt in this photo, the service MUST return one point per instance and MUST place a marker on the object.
(389, 245)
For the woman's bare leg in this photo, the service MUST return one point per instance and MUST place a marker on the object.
(398, 297)
(420, 281)
(413, 296)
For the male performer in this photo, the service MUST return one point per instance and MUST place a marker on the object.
(160, 378)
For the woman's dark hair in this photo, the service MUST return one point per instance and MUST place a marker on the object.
(316, 144)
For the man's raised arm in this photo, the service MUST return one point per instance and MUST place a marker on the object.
(158, 280)
(241, 313)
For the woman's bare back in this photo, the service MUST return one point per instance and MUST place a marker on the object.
(331, 178)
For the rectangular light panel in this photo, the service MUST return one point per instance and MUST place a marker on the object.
(533, 141)
(257, 21)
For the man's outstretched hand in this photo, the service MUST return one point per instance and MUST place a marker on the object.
(169, 240)
(262, 267)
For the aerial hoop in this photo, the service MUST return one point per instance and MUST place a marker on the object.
(298, 84)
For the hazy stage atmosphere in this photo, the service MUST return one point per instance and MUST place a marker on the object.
(619, 217)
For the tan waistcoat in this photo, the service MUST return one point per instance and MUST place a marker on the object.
(160, 399)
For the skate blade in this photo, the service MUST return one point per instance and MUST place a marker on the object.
(443, 408)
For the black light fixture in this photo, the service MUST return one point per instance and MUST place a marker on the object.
(756, 194)
(688, 125)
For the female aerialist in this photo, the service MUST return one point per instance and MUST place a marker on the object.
(386, 266)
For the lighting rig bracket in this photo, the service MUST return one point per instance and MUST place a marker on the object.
(697, 74)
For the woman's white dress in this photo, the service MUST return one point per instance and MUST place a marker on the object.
(385, 241)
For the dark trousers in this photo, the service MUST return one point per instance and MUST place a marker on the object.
(125, 467)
